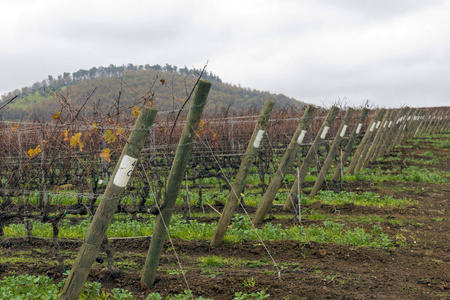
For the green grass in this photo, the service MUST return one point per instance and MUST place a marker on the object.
(363, 199)
(214, 261)
(410, 174)
(25, 102)
(240, 230)
(24, 287)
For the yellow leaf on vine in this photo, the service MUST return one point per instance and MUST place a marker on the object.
(15, 127)
(135, 111)
(95, 126)
(66, 135)
(36, 151)
(56, 115)
(106, 154)
(109, 136)
(76, 141)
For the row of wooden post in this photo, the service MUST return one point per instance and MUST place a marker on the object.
(119, 180)
(387, 128)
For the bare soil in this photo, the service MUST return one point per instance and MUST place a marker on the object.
(417, 268)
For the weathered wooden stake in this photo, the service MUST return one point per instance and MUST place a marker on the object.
(422, 122)
(437, 120)
(351, 140)
(410, 128)
(444, 122)
(108, 205)
(430, 119)
(43, 189)
(373, 133)
(359, 151)
(395, 129)
(179, 164)
(332, 153)
(385, 139)
(289, 204)
(403, 127)
(379, 136)
(240, 180)
(285, 163)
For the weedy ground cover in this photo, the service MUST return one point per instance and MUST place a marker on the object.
(43, 288)
(240, 230)
(384, 228)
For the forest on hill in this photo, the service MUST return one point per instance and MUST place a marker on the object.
(123, 87)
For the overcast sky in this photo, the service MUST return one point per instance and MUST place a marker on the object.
(391, 52)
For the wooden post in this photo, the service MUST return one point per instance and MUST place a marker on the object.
(431, 117)
(427, 123)
(285, 163)
(332, 153)
(439, 120)
(289, 204)
(379, 137)
(411, 125)
(402, 127)
(351, 140)
(43, 189)
(444, 122)
(358, 151)
(416, 123)
(422, 122)
(433, 122)
(108, 205)
(179, 164)
(372, 134)
(240, 180)
(386, 139)
(389, 144)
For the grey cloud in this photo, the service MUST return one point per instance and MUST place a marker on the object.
(387, 51)
(382, 8)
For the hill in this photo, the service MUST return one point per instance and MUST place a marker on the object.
(106, 87)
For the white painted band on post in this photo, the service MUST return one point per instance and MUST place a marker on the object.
(358, 129)
(258, 138)
(378, 124)
(124, 172)
(385, 123)
(409, 118)
(343, 130)
(390, 124)
(372, 127)
(301, 137)
(324, 132)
